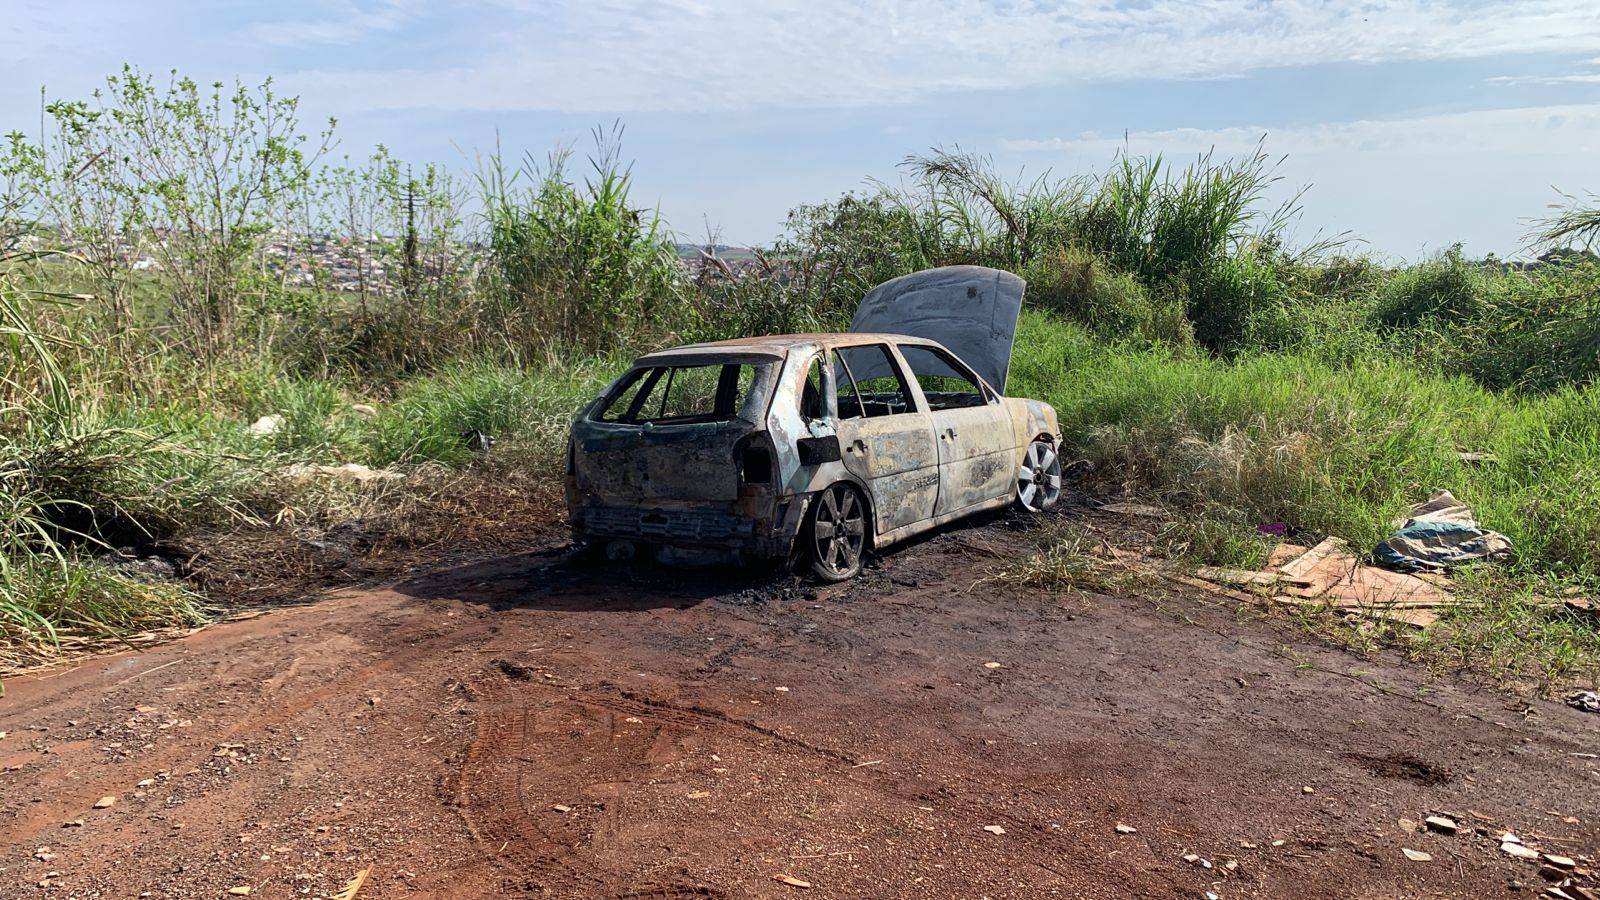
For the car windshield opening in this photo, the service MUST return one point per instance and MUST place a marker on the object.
(712, 392)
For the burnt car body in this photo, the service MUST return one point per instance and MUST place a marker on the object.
(819, 445)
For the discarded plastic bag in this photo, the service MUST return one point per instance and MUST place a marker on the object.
(1441, 532)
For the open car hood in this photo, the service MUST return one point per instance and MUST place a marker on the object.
(969, 309)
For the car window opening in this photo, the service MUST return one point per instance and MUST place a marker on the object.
(945, 382)
(681, 394)
(867, 383)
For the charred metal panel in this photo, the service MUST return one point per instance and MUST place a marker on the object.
(971, 310)
(977, 455)
(896, 458)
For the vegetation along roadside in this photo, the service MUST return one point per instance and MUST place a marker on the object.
(218, 328)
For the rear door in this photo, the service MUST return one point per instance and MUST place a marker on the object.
(886, 441)
(977, 445)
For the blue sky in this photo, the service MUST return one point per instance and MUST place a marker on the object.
(1414, 123)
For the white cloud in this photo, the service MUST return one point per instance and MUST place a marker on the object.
(1496, 132)
(348, 24)
(687, 55)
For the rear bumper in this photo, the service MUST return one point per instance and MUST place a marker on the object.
(755, 526)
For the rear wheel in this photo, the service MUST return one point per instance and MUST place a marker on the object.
(1039, 478)
(836, 535)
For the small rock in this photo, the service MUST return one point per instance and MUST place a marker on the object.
(1126, 829)
(1416, 855)
(1441, 824)
(1307, 790)
(1407, 825)
(699, 795)
(792, 881)
(991, 665)
(266, 425)
(240, 891)
(105, 803)
(782, 690)
(562, 808)
(75, 823)
(994, 829)
(1560, 862)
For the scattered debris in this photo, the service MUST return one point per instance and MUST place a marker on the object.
(1439, 533)
(1518, 850)
(349, 473)
(994, 829)
(792, 881)
(477, 441)
(1245, 577)
(1588, 701)
(354, 887)
(1416, 855)
(1330, 575)
(1441, 824)
(1195, 859)
(1126, 829)
(1144, 510)
(266, 425)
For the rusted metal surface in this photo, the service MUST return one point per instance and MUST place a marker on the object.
(698, 484)
(971, 310)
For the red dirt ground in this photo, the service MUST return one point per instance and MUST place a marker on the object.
(541, 726)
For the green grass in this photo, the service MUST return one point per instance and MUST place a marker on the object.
(1343, 450)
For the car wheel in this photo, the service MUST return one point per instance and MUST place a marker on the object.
(1039, 478)
(836, 533)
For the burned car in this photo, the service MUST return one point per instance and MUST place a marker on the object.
(819, 447)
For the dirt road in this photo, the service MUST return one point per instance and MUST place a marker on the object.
(539, 726)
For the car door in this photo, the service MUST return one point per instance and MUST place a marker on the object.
(976, 443)
(885, 440)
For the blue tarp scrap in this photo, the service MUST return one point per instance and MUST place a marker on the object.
(1439, 533)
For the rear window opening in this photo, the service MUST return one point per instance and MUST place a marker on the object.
(680, 394)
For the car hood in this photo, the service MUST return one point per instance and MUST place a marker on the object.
(971, 310)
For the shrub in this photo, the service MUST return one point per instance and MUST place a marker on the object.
(1080, 286)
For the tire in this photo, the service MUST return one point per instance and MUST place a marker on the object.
(836, 533)
(1039, 478)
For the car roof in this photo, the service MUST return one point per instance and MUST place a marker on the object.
(774, 346)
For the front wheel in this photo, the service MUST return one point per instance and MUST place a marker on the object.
(1039, 478)
(836, 533)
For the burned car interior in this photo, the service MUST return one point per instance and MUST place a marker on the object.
(816, 448)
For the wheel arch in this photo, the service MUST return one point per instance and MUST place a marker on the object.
(866, 497)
